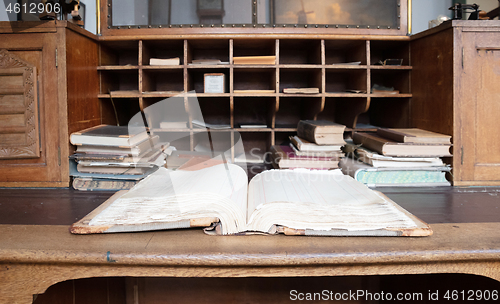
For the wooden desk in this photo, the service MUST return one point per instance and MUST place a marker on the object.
(34, 257)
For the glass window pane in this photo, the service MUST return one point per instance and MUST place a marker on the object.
(238, 11)
(129, 12)
(164, 12)
(381, 13)
(342, 12)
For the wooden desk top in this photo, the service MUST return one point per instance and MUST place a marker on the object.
(191, 247)
(33, 257)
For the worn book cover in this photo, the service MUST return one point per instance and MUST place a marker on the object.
(423, 176)
(138, 150)
(336, 153)
(389, 147)
(284, 157)
(307, 146)
(168, 61)
(414, 135)
(321, 132)
(271, 60)
(107, 135)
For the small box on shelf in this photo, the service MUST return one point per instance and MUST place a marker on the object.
(214, 83)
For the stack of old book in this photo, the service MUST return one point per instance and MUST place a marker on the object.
(113, 157)
(317, 145)
(398, 157)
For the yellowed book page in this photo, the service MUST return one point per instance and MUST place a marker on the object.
(319, 200)
(168, 196)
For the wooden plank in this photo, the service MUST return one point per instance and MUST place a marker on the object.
(160, 35)
(32, 184)
(27, 27)
(288, 32)
(459, 243)
(11, 84)
(11, 104)
(14, 138)
(432, 83)
(11, 121)
(84, 108)
(117, 67)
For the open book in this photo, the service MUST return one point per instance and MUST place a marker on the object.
(293, 202)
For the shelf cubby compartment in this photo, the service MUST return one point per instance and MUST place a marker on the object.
(121, 83)
(215, 142)
(162, 49)
(214, 110)
(397, 79)
(293, 109)
(126, 108)
(181, 140)
(119, 53)
(381, 50)
(196, 77)
(342, 82)
(170, 110)
(344, 110)
(389, 112)
(282, 138)
(300, 78)
(162, 81)
(343, 53)
(207, 49)
(299, 52)
(254, 47)
(256, 146)
(250, 79)
(253, 111)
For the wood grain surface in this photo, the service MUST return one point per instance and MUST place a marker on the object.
(34, 257)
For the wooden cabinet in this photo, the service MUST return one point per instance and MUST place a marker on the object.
(447, 84)
(63, 97)
(455, 86)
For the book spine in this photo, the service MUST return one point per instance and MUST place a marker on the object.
(369, 142)
(393, 135)
(306, 131)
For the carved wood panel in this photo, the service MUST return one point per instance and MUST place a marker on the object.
(19, 136)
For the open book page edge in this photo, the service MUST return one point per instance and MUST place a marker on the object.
(83, 227)
(418, 228)
(422, 229)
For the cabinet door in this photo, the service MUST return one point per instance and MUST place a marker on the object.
(479, 105)
(40, 165)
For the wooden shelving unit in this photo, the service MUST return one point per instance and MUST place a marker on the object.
(333, 66)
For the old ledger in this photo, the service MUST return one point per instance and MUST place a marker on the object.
(293, 202)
